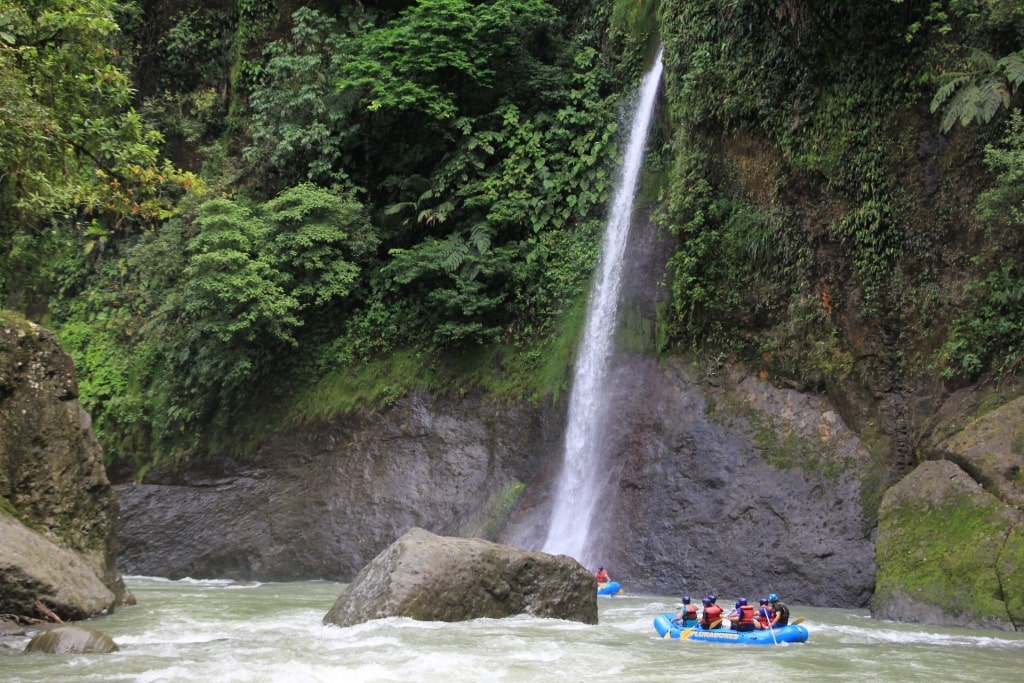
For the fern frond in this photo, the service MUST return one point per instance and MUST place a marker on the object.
(989, 101)
(948, 88)
(982, 61)
(480, 237)
(392, 209)
(949, 117)
(1013, 66)
(453, 253)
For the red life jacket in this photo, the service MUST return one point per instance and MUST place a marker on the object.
(690, 612)
(602, 576)
(712, 614)
(746, 614)
(764, 615)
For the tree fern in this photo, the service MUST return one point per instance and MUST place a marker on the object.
(976, 96)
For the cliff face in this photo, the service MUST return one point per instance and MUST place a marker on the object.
(323, 501)
(703, 470)
(59, 511)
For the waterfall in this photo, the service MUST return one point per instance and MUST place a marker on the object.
(580, 481)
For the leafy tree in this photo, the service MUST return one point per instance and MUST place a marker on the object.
(74, 154)
(473, 127)
(208, 311)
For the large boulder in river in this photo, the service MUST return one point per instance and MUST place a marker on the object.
(438, 578)
(949, 552)
(58, 535)
(34, 569)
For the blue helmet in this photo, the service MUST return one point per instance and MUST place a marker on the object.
(741, 601)
(707, 602)
(712, 598)
(738, 604)
(686, 599)
(773, 597)
(600, 567)
(764, 601)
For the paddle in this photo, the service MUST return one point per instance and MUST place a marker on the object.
(684, 635)
(772, 631)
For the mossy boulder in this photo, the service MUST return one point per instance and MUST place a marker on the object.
(949, 552)
(990, 448)
(55, 497)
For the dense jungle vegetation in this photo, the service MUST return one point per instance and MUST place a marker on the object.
(243, 214)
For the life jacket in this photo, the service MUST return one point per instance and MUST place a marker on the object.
(764, 616)
(783, 612)
(712, 614)
(746, 614)
(690, 612)
(602, 576)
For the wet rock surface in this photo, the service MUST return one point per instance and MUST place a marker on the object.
(433, 578)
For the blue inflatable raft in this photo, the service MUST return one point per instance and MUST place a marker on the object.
(610, 588)
(793, 633)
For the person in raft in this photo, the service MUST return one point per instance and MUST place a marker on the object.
(711, 617)
(780, 611)
(601, 575)
(764, 614)
(686, 613)
(742, 617)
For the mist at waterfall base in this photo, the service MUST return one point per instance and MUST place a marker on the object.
(221, 631)
(580, 482)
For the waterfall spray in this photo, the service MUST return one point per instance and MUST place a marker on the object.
(579, 485)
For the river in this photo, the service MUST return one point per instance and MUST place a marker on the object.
(219, 631)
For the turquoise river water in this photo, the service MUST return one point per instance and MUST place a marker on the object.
(215, 631)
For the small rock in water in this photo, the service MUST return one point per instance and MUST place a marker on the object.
(71, 640)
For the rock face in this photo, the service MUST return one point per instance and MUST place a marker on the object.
(58, 511)
(949, 552)
(729, 485)
(433, 578)
(71, 640)
(702, 468)
(324, 501)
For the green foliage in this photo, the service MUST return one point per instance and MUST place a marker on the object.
(73, 152)
(783, 118)
(1001, 208)
(737, 270)
(987, 336)
(976, 96)
(298, 121)
(211, 307)
(633, 31)
(193, 52)
(479, 139)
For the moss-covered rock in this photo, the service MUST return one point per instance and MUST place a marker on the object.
(948, 552)
(991, 449)
(52, 479)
